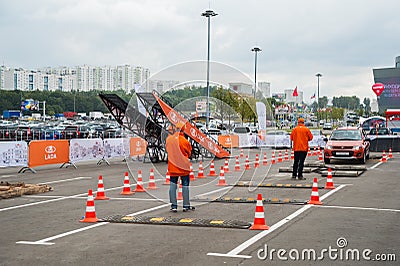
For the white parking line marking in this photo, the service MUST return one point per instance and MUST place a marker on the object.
(375, 165)
(359, 208)
(235, 252)
(66, 180)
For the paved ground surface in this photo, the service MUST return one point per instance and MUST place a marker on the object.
(361, 214)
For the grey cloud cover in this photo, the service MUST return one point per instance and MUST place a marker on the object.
(341, 39)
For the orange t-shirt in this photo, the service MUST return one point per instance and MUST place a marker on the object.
(179, 150)
(300, 136)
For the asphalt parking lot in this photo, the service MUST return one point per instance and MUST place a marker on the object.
(360, 216)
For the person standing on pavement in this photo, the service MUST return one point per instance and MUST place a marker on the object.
(300, 137)
(179, 150)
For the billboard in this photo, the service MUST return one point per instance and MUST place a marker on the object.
(30, 105)
(390, 97)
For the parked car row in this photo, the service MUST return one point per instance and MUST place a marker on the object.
(11, 132)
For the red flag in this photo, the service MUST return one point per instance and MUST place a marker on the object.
(295, 92)
(313, 97)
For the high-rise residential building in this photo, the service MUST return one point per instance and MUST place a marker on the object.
(265, 88)
(80, 78)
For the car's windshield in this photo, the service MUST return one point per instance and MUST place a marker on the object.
(346, 135)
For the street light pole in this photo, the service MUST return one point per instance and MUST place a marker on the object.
(255, 50)
(318, 75)
(208, 14)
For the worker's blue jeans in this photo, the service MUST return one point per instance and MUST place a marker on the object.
(185, 191)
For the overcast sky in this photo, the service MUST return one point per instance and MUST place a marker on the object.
(341, 39)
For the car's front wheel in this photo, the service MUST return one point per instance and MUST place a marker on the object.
(327, 160)
(363, 159)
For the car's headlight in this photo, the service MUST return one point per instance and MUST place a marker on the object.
(328, 147)
(357, 148)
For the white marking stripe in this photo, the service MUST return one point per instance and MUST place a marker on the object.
(234, 252)
(259, 215)
(376, 165)
(358, 208)
(65, 180)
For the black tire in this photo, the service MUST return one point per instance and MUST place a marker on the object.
(363, 159)
(327, 160)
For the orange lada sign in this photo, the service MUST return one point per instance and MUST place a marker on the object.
(43, 152)
(174, 117)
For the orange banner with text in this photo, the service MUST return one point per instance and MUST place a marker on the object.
(137, 146)
(229, 141)
(43, 152)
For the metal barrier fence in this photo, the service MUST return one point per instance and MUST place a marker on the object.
(384, 143)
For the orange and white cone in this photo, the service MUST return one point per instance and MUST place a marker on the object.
(292, 155)
(152, 183)
(221, 181)
(320, 157)
(90, 215)
(315, 151)
(212, 169)
(100, 195)
(309, 152)
(180, 196)
(167, 179)
(384, 159)
(226, 166)
(139, 184)
(200, 174)
(237, 165)
(273, 158)
(257, 162)
(314, 194)
(241, 153)
(247, 163)
(286, 155)
(191, 175)
(279, 157)
(390, 153)
(329, 180)
(259, 218)
(126, 190)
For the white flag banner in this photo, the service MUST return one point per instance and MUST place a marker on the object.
(262, 115)
(140, 106)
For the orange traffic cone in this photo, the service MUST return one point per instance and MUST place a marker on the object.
(221, 181)
(212, 169)
(247, 163)
(309, 152)
(315, 151)
(167, 179)
(292, 155)
(200, 174)
(90, 216)
(152, 183)
(191, 175)
(180, 196)
(329, 180)
(241, 153)
(279, 157)
(100, 195)
(320, 157)
(384, 159)
(139, 184)
(226, 166)
(286, 155)
(314, 194)
(259, 219)
(257, 162)
(237, 165)
(126, 190)
(273, 157)
(265, 160)
(390, 153)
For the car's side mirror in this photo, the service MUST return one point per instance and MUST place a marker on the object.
(325, 139)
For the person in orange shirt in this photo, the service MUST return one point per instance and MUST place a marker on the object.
(300, 137)
(179, 150)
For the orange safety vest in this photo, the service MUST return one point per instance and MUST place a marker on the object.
(300, 136)
(179, 150)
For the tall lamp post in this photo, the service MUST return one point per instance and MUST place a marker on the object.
(318, 75)
(208, 14)
(255, 50)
